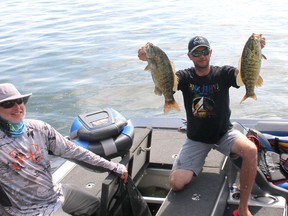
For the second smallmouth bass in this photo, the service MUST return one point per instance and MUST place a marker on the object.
(250, 64)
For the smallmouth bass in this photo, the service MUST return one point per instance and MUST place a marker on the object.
(163, 74)
(250, 64)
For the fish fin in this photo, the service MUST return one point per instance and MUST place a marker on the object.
(148, 68)
(157, 91)
(259, 81)
(263, 56)
(175, 77)
(175, 84)
(172, 65)
(239, 80)
(169, 105)
(245, 97)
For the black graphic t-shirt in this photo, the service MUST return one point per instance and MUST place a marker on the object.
(206, 101)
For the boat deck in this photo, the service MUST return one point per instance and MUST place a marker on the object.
(200, 196)
(206, 195)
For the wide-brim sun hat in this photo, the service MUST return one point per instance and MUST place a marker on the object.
(9, 92)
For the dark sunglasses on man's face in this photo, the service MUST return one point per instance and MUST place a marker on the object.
(204, 52)
(11, 103)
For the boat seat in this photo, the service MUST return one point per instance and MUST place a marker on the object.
(260, 180)
(239, 127)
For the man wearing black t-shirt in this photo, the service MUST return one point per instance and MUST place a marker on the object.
(205, 90)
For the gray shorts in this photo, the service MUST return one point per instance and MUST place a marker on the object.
(193, 153)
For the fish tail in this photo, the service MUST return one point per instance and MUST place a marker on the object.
(169, 105)
(246, 96)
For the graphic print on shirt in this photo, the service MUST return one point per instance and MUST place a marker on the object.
(203, 103)
(19, 157)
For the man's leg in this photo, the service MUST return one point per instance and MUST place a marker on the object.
(179, 178)
(248, 151)
(189, 162)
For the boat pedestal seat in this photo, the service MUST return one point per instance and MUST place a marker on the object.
(262, 182)
(266, 198)
(105, 132)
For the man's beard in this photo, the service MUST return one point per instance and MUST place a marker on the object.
(201, 67)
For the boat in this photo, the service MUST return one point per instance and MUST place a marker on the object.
(149, 159)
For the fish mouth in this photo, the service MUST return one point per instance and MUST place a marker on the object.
(146, 52)
(142, 54)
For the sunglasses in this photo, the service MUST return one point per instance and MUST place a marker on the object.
(11, 103)
(204, 52)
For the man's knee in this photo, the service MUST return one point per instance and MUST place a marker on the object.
(180, 178)
(251, 152)
(246, 149)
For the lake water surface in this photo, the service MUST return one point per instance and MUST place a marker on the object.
(79, 56)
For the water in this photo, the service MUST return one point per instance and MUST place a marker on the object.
(80, 56)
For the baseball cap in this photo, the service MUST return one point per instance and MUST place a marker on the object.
(196, 42)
